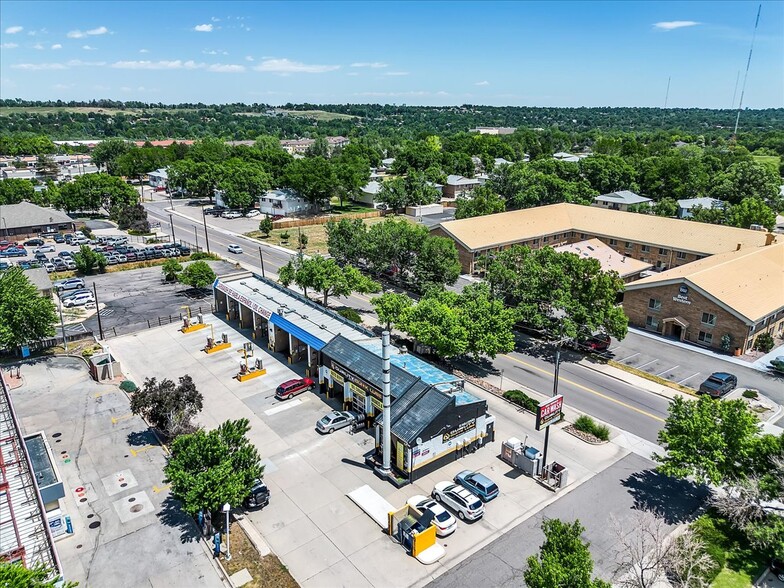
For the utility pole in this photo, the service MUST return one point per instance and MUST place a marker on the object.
(206, 236)
(196, 236)
(97, 311)
(171, 222)
(62, 326)
(261, 257)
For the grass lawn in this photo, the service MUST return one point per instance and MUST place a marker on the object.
(742, 564)
(771, 160)
(320, 114)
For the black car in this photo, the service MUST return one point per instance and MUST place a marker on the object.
(258, 497)
(58, 238)
(215, 210)
(34, 242)
(718, 384)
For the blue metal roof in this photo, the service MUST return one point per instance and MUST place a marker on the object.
(298, 332)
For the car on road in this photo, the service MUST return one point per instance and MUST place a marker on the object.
(231, 214)
(337, 419)
(252, 213)
(718, 384)
(45, 249)
(4, 265)
(69, 284)
(291, 388)
(445, 523)
(466, 504)
(258, 496)
(597, 343)
(79, 300)
(33, 242)
(478, 484)
(215, 210)
(234, 248)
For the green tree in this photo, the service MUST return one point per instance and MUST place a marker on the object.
(391, 307)
(46, 167)
(87, 260)
(436, 321)
(313, 177)
(488, 322)
(167, 406)
(563, 560)
(94, 191)
(393, 194)
(482, 201)
(198, 179)
(751, 211)
(106, 153)
(242, 183)
(346, 240)
(15, 190)
(537, 282)
(209, 150)
(138, 162)
(15, 575)
(132, 217)
(25, 315)
(209, 469)
(715, 216)
(711, 441)
(197, 274)
(747, 179)
(326, 277)
(394, 244)
(319, 148)
(351, 173)
(608, 173)
(437, 263)
(171, 269)
(265, 225)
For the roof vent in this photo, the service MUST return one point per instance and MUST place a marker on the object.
(738, 247)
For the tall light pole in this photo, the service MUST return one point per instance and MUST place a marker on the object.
(62, 326)
(206, 235)
(171, 222)
(261, 257)
(196, 236)
(227, 510)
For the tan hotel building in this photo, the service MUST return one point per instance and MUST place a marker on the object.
(682, 253)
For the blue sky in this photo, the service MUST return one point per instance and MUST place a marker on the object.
(429, 53)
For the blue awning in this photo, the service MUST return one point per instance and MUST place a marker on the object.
(299, 332)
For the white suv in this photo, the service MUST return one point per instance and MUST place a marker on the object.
(79, 300)
(464, 503)
(445, 523)
(232, 214)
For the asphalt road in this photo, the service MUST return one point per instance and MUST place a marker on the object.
(629, 484)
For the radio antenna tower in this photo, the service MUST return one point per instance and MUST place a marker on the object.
(746, 75)
(667, 95)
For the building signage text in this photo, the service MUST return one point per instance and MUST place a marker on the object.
(354, 379)
(549, 412)
(244, 300)
(464, 428)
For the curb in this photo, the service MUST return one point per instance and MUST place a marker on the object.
(625, 381)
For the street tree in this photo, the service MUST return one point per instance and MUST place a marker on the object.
(394, 244)
(107, 152)
(198, 179)
(713, 442)
(95, 191)
(437, 263)
(242, 183)
(139, 161)
(488, 322)
(209, 469)
(352, 173)
(325, 276)
(16, 575)
(25, 315)
(15, 190)
(393, 194)
(539, 282)
(346, 240)
(171, 269)
(167, 406)
(266, 226)
(313, 177)
(563, 560)
(746, 179)
(197, 274)
(209, 150)
(751, 211)
(132, 217)
(87, 260)
(483, 201)
(436, 321)
(391, 307)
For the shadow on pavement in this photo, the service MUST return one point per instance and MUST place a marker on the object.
(141, 438)
(676, 501)
(172, 515)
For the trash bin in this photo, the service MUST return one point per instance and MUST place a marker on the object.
(560, 474)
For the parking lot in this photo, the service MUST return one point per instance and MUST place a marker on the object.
(318, 532)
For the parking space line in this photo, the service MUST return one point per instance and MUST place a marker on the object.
(282, 407)
(135, 452)
(689, 378)
(649, 363)
(157, 489)
(625, 358)
(667, 370)
(116, 420)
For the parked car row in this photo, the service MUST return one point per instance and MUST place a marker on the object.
(224, 212)
(466, 494)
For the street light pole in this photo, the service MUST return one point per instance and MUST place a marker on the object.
(196, 236)
(97, 310)
(261, 257)
(227, 510)
(171, 222)
(206, 235)
(62, 326)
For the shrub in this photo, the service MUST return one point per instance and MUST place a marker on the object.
(764, 342)
(520, 398)
(284, 236)
(586, 424)
(715, 542)
(199, 255)
(128, 386)
(750, 394)
(350, 314)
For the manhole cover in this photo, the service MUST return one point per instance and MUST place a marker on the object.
(132, 499)
(56, 435)
(95, 524)
(63, 452)
(89, 516)
(136, 508)
(123, 485)
(58, 440)
(79, 546)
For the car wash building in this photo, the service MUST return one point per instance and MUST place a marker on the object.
(433, 419)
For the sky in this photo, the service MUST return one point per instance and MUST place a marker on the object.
(417, 53)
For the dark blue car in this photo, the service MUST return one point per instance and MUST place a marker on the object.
(477, 483)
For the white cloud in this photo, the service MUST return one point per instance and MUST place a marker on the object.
(77, 34)
(178, 64)
(9, 46)
(670, 25)
(79, 63)
(442, 93)
(215, 19)
(144, 50)
(98, 31)
(396, 73)
(203, 28)
(482, 83)
(88, 48)
(248, 58)
(39, 66)
(56, 46)
(286, 66)
(13, 30)
(226, 68)
(373, 64)
(38, 46)
(210, 52)
(101, 88)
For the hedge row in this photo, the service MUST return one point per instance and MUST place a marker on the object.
(520, 398)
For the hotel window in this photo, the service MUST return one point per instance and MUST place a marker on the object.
(646, 248)
(613, 242)
(582, 235)
(708, 319)
(651, 322)
(628, 245)
(654, 304)
(681, 255)
(704, 337)
(662, 251)
(545, 239)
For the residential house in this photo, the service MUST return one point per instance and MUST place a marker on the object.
(563, 156)
(494, 130)
(283, 202)
(457, 186)
(368, 194)
(158, 178)
(685, 206)
(620, 200)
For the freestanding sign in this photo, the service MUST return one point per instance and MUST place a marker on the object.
(549, 412)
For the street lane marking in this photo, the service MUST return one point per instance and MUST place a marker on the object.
(649, 363)
(625, 358)
(285, 406)
(667, 370)
(689, 378)
(595, 392)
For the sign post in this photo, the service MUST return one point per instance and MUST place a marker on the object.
(548, 412)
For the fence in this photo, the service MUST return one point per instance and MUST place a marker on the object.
(50, 342)
(158, 321)
(322, 220)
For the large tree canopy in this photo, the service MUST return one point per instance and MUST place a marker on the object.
(25, 315)
(95, 191)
